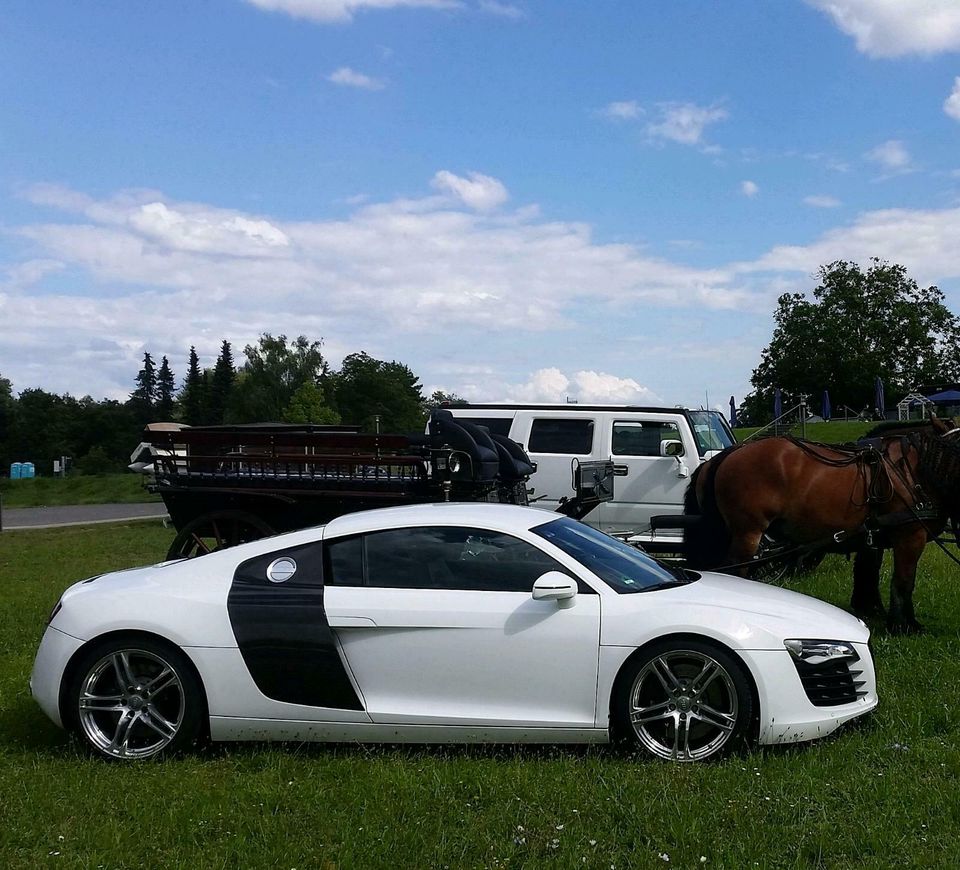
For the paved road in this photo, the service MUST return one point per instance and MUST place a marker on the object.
(78, 515)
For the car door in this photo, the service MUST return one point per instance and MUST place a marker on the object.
(437, 625)
(647, 483)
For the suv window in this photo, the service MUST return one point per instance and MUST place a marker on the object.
(439, 557)
(561, 436)
(642, 439)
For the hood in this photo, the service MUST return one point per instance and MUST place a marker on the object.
(743, 614)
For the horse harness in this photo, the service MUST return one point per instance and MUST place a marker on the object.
(874, 468)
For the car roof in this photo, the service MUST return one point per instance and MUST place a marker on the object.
(503, 517)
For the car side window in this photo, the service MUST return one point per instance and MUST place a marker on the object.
(345, 562)
(444, 557)
(642, 439)
(548, 435)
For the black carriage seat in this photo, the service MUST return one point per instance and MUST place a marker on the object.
(514, 462)
(469, 439)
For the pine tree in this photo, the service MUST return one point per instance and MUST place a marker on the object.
(166, 384)
(221, 384)
(143, 398)
(191, 396)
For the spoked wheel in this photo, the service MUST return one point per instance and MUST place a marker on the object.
(135, 699)
(685, 701)
(784, 561)
(217, 532)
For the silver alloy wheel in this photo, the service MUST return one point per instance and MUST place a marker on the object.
(131, 704)
(683, 705)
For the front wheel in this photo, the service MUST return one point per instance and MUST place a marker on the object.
(217, 531)
(684, 700)
(134, 699)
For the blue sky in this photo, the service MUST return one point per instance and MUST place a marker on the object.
(523, 199)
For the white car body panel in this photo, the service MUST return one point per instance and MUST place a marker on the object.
(434, 665)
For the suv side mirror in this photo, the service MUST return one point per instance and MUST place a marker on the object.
(555, 586)
(671, 448)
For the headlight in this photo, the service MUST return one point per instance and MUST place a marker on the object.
(816, 652)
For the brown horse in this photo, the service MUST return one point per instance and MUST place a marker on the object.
(845, 499)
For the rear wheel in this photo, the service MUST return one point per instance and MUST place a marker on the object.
(684, 700)
(134, 698)
(217, 532)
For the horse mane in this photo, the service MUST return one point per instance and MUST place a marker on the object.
(896, 427)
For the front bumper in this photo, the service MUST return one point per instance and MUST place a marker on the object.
(56, 650)
(786, 713)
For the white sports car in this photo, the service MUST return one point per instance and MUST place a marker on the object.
(442, 623)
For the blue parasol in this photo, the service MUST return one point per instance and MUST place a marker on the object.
(733, 413)
(777, 404)
(879, 400)
(826, 405)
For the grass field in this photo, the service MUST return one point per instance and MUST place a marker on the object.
(884, 794)
(832, 432)
(77, 489)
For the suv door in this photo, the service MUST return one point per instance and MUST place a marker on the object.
(647, 483)
(438, 626)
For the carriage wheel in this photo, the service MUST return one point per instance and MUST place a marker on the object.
(771, 570)
(217, 531)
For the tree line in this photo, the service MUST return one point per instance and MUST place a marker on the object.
(277, 380)
(856, 325)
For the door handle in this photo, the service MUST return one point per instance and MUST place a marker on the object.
(621, 470)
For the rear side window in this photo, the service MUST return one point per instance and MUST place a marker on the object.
(345, 565)
(561, 436)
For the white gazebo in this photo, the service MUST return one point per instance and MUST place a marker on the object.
(911, 401)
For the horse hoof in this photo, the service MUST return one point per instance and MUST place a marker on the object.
(868, 611)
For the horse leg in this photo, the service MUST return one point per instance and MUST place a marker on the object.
(743, 547)
(906, 555)
(865, 600)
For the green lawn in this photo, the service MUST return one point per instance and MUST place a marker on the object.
(77, 489)
(832, 432)
(880, 795)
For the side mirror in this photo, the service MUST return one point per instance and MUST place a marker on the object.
(554, 586)
(671, 448)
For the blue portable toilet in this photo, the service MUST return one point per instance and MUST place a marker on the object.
(15, 470)
(27, 470)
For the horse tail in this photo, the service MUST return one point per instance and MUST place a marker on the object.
(707, 541)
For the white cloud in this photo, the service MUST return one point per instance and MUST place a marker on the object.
(821, 201)
(502, 10)
(749, 188)
(623, 110)
(952, 103)
(552, 385)
(684, 123)
(894, 28)
(352, 79)
(892, 156)
(923, 240)
(333, 11)
(478, 191)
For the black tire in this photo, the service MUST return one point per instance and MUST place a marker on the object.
(157, 709)
(217, 531)
(660, 706)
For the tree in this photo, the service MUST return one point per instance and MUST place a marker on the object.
(143, 398)
(439, 398)
(366, 388)
(191, 396)
(8, 408)
(856, 327)
(221, 385)
(166, 384)
(273, 372)
(307, 405)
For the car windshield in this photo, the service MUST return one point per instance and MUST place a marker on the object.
(710, 430)
(625, 568)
